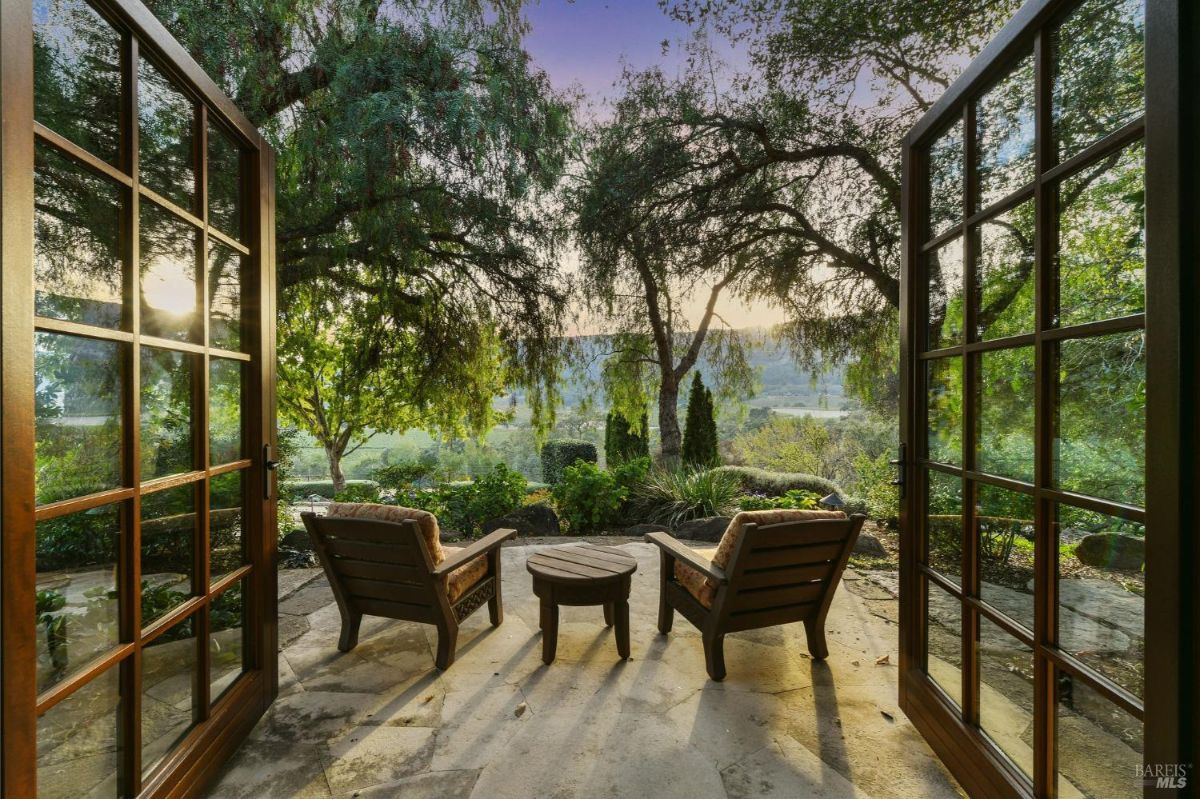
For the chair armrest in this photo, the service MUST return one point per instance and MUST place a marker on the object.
(678, 551)
(489, 542)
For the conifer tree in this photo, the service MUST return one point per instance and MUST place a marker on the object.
(700, 427)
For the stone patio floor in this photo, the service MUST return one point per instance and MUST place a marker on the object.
(381, 721)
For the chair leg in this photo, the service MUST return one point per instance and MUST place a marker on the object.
(714, 656)
(496, 603)
(814, 629)
(666, 613)
(447, 643)
(349, 637)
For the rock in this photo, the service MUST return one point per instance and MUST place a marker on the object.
(640, 530)
(869, 545)
(530, 520)
(297, 540)
(1112, 551)
(710, 529)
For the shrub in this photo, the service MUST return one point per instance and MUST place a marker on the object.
(776, 484)
(669, 497)
(588, 497)
(366, 491)
(558, 454)
(405, 474)
(622, 443)
(303, 489)
(875, 482)
(464, 507)
(700, 428)
(798, 499)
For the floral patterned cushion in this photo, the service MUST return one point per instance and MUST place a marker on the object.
(394, 513)
(462, 579)
(699, 586)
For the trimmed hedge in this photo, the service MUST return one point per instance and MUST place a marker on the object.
(303, 489)
(776, 484)
(560, 453)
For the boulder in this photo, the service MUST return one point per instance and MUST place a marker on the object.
(297, 540)
(710, 529)
(869, 546)
(1112, 551)
(540, 520)
(639, 530)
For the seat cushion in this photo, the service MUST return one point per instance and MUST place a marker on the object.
(394, 513)
(464, 578)
(704, 588)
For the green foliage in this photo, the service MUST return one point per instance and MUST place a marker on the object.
(700, 428)
(589, 498)
(670, 497)
(875, 481)
(558, 454)
(797, 499)
(624, 441)
(358, 492)
(776, 484)
(303, 489)
(405, 474)
(464, 507)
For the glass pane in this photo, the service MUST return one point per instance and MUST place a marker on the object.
(1101, 594)
(224, 183)
(169, 668)
(166, 144)
(1004, 127)
(943, 641)
(226, 650)
(226, 547)
(168, 255)
(1005, 444)
(1005, 274)
(78, 742)
(946, 295)
(167, 380)
(1006, 693)
(1005, 526)
(168, 547)
(1101, 437)
(224, 410)
(1102, 240)
(946, 180)
(945, 523)
(224, 297)
(78, 416)
(1100, 71)
(76, 242)
(77, 606)
(944, 378)
(77, 75)
(1099, 745)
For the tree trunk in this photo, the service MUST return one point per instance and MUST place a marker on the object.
(668, 422)
(334, 454)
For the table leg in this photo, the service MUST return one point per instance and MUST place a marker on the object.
(549, 631)
(622, 614)
(608, 614)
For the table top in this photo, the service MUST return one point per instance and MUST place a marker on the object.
(580, 563)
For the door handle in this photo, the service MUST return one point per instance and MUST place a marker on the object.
(270, 466)
(900, 463)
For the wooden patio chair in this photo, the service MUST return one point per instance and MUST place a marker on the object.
(771, 567)
(383, 560)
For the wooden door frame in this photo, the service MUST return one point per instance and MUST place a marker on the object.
(1172, 603)
(195, 759)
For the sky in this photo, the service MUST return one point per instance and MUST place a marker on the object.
(583, 45)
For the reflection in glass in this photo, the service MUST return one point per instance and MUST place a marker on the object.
(79, 744)
(944, 517)
(943, 641)
(78, 416)
(77, 606)
(76, 242)
(1099, 71)
(1006, 693)
(1102, 240)
(166, 131)
(169, 668)
(167, 380)
(1005, 443)
(1004, 274)
(168, 256)
(1101, 587)
(946, 180)
(1100, 446)
(1005, 529)
(945, 266)
(224, 410)
(77, 75)
(944, 378)
(226, 546)
(1004, 127)
(1099, 744)
(168, 536)
(224, 297)
(224, 183)
(226, 650)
